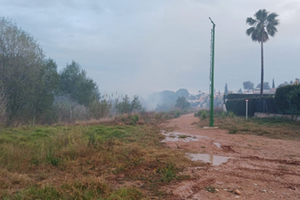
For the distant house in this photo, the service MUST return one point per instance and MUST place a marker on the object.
(297, 81)
(270, 91)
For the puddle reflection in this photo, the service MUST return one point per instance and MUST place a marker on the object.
(210, 158)
(176, 136)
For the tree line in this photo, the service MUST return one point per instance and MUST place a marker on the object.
(33, 91)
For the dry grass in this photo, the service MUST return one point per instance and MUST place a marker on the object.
(277, 128)
(88, 161)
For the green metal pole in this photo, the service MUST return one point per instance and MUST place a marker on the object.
(211, 124)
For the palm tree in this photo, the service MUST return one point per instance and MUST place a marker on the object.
(263, 25)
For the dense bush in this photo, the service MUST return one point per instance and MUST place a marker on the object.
(202, 114)
(287, 99)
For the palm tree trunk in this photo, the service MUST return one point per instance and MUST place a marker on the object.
(262, 70)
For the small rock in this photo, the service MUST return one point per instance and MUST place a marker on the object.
(230, 190)
(255, 184)
(264, 191)
(237, 192)
(219, 183)
(237, 197)
(217, 190)
(292, 187)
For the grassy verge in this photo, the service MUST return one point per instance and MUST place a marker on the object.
(87, 162)
(277, 128)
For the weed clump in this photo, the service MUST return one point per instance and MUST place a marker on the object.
(211, 189)
(202, 114)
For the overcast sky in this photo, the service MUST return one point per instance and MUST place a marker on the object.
(144, 46)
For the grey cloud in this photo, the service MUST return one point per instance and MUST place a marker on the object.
(144, 46)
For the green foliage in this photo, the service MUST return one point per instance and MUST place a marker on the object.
(248, 85)
(126, 194)
(100, 109)
(41, 193)
(266, 86)
(211, 189)
(134, 119)
(182, 103)
(287, 99)
(177, 115)
(263, 25)
(168, 172)
(21, 70)
(230, 114)
(47, 87)
(54, 161)
(125, 106)
(77, 86)
(202, 114)
(232, 130)
(3, 105)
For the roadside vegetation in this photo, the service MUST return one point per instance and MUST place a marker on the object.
(277, 128)
(121, 159)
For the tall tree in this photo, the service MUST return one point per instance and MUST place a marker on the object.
(248, 85)
(21, 60)
(262, 26)
(125, 106)
(266, 86)
(182, 103)
(45, 89)
(182, 93)
(273, 84)
(226, 89)
(75, 84)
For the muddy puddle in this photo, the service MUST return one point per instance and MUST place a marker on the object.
(208, 158)
(176, 136)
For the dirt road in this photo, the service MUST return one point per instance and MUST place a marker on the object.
(256, 168)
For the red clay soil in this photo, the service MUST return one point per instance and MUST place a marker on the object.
(257, 168)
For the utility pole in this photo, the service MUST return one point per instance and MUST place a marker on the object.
(212, 57)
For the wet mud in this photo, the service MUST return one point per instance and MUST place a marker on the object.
(238, 166)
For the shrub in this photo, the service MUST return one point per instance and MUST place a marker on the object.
(287, 99)
(201, 114)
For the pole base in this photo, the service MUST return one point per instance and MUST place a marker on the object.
(208, 127)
